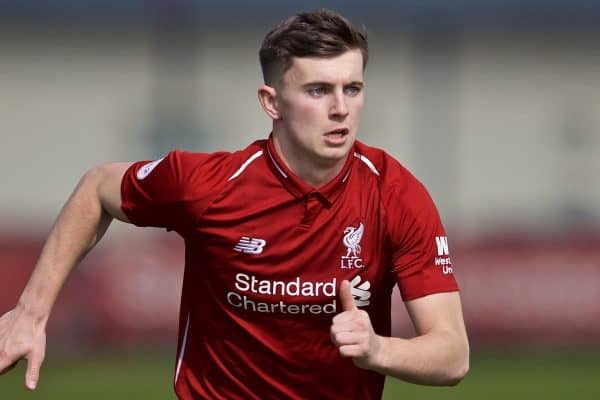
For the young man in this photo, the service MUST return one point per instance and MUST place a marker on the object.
(293, 245)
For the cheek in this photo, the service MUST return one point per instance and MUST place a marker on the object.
(306, 112)
(357, 105)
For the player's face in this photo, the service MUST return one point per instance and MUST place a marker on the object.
(320, 103)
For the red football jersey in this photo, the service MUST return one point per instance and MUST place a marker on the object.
(265, 254)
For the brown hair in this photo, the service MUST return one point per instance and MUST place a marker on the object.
(321, 33)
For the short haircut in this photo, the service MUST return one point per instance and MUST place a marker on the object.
(322, 33)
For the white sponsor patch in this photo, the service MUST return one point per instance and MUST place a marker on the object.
(146, 169)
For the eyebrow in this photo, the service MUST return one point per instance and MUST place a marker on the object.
(328, 84)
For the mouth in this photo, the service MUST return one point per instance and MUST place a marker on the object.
(337, 133)
(337, 137)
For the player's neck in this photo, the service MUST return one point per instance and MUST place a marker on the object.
(316, 173)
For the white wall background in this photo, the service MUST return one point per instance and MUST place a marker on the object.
(522, 112)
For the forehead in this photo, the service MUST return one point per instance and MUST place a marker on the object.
(347, 67)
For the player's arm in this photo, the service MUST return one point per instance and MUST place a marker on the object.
(438, 355)
(80, 225)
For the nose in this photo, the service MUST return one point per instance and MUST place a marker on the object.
(339, 108)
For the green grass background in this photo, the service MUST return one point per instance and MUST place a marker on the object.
(147, 375)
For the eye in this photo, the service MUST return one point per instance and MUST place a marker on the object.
(317, 91)
(353, 90)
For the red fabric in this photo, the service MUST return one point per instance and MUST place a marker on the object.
(265, 254)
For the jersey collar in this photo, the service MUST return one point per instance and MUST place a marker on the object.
(297, 187)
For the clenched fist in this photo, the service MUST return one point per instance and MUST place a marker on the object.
(352, 332)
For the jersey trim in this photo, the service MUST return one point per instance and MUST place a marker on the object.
(276, 165)
(368, 162)
(180, 360)
(346, 177)
(245, 165)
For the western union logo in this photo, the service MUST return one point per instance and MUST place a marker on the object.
(442, 245)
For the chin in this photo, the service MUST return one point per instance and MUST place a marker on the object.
(335, 154)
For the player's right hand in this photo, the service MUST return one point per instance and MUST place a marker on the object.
(22, 337)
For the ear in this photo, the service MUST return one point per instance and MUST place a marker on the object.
(267, 96)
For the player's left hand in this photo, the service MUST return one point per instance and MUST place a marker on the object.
(352, 332)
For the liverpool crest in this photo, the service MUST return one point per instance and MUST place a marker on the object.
(351, 240)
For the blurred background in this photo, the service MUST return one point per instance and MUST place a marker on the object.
(494, 105)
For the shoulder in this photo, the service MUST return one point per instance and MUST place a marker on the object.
(402, 195)
(394, 178)
(218, 166)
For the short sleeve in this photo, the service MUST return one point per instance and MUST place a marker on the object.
(160, 193)
(420, 253)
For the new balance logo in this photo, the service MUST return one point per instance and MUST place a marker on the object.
(360, 291)
(442, 245)
(250, 245)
